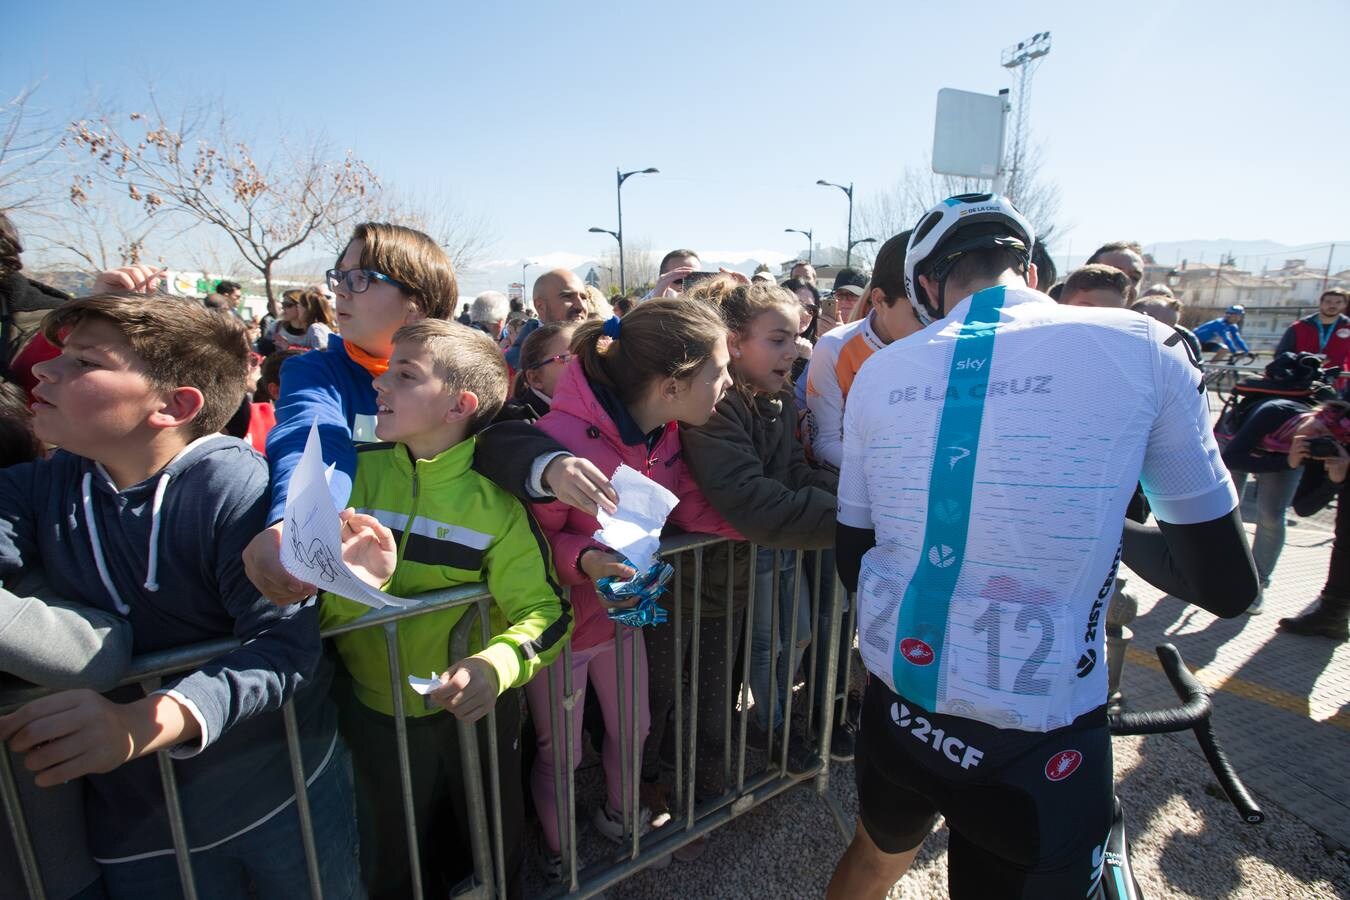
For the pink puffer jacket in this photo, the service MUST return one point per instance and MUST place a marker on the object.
(578, 422)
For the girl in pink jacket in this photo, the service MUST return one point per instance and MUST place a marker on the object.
(620, 400)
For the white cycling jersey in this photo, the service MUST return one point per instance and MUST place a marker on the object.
(994, 453)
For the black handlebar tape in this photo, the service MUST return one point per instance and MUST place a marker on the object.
(1193, 714)
(1228, 778)
(1194, 709)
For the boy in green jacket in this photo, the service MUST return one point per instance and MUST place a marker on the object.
(424, 520)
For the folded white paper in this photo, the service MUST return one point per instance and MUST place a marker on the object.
(311, 533)
(424, 686)
(634, 530)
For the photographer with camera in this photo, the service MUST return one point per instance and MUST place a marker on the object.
(1276, 443)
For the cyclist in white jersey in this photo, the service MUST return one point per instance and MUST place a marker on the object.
(988, 461)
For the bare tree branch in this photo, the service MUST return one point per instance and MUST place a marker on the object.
(919, 188)
(193, 166)
(466, 237)
(27, 148)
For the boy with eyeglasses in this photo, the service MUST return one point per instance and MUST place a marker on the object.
(389, 276)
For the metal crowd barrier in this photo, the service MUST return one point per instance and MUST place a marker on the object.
(689, 820)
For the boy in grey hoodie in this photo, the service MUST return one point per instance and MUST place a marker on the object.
(144, 512)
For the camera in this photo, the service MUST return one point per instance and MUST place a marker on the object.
(693, 278)
(1324, 448)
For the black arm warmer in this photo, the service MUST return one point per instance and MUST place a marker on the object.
(849, 546)
(1208, 563)
(505, 454)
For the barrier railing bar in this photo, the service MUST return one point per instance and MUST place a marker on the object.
(302, 799)
(729, 643)
(635, 640)
(746, 645)
(816, 575)
(494, 770)
(760, 790)
(572, 698)
(472, 764)
(18, 828)
(677, 616)
(693, 684)
(404, 766)
(772, 700)
(791, 654)
(626, 764)
(174, 808)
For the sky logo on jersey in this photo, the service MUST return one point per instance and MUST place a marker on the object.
(941, 556)
(928, 595)
(916, 652)
(1063, 764)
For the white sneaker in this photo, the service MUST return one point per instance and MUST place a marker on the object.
(1258, 605)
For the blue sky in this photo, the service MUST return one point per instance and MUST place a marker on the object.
(1161, 122)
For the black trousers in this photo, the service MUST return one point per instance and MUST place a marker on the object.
(714, 693)
(439, 803)
(1338, 571)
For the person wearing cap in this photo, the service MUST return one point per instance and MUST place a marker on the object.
(849, 285)
(1226, 329)
(764, 274)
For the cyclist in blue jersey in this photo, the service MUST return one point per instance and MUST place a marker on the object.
(979, 520)
(1226, 329)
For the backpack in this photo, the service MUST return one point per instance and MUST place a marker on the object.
(1290, 376)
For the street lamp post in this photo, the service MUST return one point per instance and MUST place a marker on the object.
(851, 244)
(619, 179)
(615, 235)
(809, 239)
(523, 301)
(848, 254)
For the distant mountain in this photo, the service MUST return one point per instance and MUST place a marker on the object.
(1252, 256)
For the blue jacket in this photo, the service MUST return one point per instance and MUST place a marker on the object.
(166, 554)
(1218, 329)
(513, 352)
(328, 385)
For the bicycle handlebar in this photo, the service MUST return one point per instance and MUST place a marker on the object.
(1194, 713)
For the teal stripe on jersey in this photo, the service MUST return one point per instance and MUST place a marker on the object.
(923, 610)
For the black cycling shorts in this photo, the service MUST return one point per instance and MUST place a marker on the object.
(1028, 812)
(1211, 346)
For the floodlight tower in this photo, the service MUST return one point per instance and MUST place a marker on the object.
(1022, 59)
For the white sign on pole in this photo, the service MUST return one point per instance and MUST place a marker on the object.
(968, 134)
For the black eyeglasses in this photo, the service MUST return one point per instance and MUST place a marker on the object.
(287, 304)
(358, 280)
(561, 357)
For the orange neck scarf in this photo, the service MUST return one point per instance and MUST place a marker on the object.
(375, 365)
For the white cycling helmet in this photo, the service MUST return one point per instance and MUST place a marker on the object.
(957, 226)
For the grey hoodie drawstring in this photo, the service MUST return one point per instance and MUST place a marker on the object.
(88, 502)
(152, 566)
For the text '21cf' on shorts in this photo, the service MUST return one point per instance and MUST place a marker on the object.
(1028, 812)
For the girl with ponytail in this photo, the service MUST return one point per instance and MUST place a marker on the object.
(619, 401)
